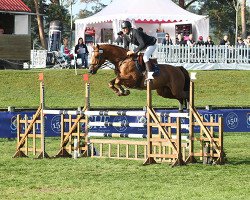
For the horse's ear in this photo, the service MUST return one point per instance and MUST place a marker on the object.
(97, 46)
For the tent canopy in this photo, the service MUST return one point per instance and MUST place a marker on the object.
(137, 11)
(150, 10)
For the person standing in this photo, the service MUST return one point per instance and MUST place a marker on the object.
(247, 41)
(225, 41)
(119, 39)
(167, 40)
(82, 52)
(180, 40)
(143, 42)
(191, 41)
(209, 41)
(209, 49)
(200, 41)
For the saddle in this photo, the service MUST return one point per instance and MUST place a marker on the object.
(140, 65)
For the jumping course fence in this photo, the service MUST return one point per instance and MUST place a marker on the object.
(165, 146)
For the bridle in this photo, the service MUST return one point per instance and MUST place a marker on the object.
(100, 56)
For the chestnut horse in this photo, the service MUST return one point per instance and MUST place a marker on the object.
(172, 82)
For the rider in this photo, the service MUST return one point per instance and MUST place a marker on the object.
(140, 39)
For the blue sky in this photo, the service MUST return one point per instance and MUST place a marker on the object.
(78, 6)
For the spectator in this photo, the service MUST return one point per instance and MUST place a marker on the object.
(200, 41)
(119, 39)
(82, 52)
(210, 51)
(247, 41)
(65, 50)
(240, 42)
(167, 40)
(209, 41)
(225, 41)
(190, 41)
(180, 40)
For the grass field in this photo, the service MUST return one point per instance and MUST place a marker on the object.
(89, 178)
(93, 178)
(66, 90)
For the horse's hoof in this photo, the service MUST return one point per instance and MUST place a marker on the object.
(180, 111)
(126, 92)
(119, 93)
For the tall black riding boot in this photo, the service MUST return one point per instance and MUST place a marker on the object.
(148, 69)
(148, 66)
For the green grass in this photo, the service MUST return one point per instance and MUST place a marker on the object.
(66, 90)
(89, 178)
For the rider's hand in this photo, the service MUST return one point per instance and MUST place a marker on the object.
(129, 53)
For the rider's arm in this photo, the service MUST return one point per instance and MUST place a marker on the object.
(138, 36)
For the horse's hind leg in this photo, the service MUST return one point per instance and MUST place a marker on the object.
(181, 105)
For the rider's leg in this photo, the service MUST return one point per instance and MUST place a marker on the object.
(148, 52)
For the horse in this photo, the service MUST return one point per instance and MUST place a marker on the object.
(172, 82)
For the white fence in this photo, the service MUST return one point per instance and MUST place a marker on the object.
(202, 54)
(197, 57)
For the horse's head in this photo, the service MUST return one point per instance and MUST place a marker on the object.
(97, 59)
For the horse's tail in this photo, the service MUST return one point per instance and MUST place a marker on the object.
(187, 78)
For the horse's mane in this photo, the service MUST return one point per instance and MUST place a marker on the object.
(118, 47)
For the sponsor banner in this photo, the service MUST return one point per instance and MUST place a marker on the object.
(235, 120)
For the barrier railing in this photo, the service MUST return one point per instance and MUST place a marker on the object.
(202, 54)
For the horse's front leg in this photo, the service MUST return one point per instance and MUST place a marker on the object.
(112, 86)
(122, 91)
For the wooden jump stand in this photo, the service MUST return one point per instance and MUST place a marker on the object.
(23, 147)
(154, 121)
(206, 137)
(74, 126)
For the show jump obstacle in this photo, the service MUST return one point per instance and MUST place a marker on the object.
(165, 146)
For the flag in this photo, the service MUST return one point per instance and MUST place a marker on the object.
(40, 77)
(85, 77)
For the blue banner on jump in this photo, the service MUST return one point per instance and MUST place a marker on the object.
(235, 120)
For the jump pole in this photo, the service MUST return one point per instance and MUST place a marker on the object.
(43, 153)
(149, 160)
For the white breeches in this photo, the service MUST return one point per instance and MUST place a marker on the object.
(148, 52)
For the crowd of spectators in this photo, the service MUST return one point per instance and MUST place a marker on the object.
(180, 40)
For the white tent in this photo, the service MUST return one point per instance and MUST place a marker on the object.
(148, 14)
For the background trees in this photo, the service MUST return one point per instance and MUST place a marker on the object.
(222, 15)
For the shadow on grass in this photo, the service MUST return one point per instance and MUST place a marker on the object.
(241, 162)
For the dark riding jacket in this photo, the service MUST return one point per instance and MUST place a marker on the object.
(138, 38)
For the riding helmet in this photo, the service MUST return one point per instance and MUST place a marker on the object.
(126, 24)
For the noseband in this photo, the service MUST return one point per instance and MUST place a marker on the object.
(100, 56)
